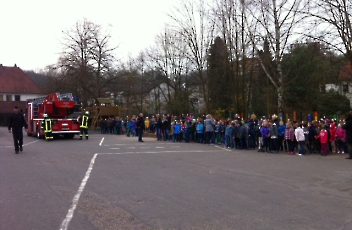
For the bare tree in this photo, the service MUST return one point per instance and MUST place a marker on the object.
(276, 22)
(131, 85)
(191, 21)
(169, 58)
(331, 23)
(86, 60)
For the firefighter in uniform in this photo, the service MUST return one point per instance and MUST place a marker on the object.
(47, 127)
(84, 125)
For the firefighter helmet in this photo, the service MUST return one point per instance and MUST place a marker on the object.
(87, 112)
(45, 115)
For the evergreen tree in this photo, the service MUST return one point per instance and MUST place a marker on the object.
(308, 68)
(218, 76)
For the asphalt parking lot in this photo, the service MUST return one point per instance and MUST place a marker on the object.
(116, 182)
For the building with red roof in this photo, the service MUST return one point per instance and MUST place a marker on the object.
(15, 88)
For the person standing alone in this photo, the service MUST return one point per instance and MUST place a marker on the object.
(16, 124)
(300, 139)
(83, 125)
(46, 125)
(140, 125)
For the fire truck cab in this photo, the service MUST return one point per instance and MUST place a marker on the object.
(60, 108)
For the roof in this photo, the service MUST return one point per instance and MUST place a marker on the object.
(104, 100)
(14, 80)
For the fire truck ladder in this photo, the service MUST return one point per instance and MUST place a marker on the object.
(65, 97)
(38, 100)
(35, 103)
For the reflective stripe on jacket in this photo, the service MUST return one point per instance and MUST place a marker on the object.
(46, 125)
(84, 123)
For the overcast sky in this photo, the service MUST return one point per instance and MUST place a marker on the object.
(31, 30)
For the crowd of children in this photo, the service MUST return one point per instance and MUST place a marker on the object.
(265, 135)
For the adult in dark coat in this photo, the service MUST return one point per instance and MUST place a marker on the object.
(140, 125)
(16, 124)
(348, 127)
(165, 127)
(158, 126)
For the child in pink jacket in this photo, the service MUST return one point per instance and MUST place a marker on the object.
(340, 139)
(323, 136)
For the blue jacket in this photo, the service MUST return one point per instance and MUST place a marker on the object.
(234, 131)
(133, 125)
(218, 128)
(187, 128)
(177, 129)
(228, 131)
(281, 130)
(251, 133)
(265, 131)
(200, 128)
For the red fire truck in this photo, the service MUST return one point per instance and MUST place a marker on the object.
(60, 108)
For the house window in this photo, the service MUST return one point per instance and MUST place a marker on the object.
(17, 97)
(345, 88)
(1, 97)
(8, 97)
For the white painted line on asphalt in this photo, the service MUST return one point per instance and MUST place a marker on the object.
(195, 151)
(30, 143)
(130, 147)
(114, 148)
(115, 144)
(223, 148)
(66, 221)
(160, 147)
(101, 142)
(10, 146)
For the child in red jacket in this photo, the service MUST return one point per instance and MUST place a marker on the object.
(333, 137)
(323, 136)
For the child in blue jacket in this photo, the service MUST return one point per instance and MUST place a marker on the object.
(229, 136)
(177, 132)
(200, 132)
